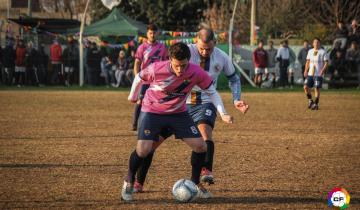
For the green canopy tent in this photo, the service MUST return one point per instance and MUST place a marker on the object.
(115, 24)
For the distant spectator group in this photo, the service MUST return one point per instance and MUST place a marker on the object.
(344, 59)
(22, 64)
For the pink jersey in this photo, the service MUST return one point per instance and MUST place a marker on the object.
(150, 53)
(167, 93)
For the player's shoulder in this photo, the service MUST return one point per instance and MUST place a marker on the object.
(219, 53)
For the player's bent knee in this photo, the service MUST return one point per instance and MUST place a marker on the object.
(200, 148)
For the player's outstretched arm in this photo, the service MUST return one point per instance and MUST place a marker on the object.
(218, 103)
(135, 89)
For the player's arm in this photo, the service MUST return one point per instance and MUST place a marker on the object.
(137, 65)
(323, 70)
(235, 86)
(307, 66)
(135, 89)
(144, 77)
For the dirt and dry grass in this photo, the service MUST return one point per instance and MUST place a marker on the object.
(69, 150)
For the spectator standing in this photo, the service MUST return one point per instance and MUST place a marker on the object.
(43, 61)
(271, 63)
(93, 64)
(354, 32)
(260, 58)
(70, 58)
(283, 56)
(9, 57)
(291, 70)
(20, 63)
(302, 56)
(55, 57)
(31, 61)
(341, 34)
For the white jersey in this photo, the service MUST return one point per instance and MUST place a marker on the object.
(317, 61)
(219, 61)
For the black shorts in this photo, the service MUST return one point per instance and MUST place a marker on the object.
(152, 125)
(311, 82)
(203, 113)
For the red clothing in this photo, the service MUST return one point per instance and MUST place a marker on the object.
(260, 58)
(20, 56)
(55, 52)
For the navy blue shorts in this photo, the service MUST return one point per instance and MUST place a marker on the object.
(203, 113)
(311, 82)
(152, 125)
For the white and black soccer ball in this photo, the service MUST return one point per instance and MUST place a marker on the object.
(185, 190)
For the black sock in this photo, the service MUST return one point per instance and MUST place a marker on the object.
(197, 161)
(209, 155)
(134, 163)
(309, 96)
(317, 100)
(136, 115)
(291, 80)
(144, 168)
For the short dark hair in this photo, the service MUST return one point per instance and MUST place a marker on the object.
(179, 51)
(317, 38)
(305, 40)
(152, 27)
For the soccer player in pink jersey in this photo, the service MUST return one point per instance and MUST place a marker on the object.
(213, 61)
(147, 53)
(164, 111)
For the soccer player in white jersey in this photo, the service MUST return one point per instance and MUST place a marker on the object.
(316, 65)
(201, 109)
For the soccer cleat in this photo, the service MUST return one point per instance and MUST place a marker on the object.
(127, 191)
(311, 102)
(138, 188)
(203, 192)
(314, 106)
(207, 176)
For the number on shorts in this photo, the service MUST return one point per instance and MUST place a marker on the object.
(194, 130)
(208, 112)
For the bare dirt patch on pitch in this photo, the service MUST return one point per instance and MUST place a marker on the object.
(66, 150)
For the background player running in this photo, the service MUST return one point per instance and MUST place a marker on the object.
(147, 53)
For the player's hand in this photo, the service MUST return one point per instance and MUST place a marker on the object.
(227, 118)
(241, 106)
(305, 75)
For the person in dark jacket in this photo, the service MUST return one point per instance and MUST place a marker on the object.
(93, 63)
(8, 62)
(70, 58)
(302, 56)
(43, 60)
(32, 63)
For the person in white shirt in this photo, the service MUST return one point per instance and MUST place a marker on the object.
(316, 65)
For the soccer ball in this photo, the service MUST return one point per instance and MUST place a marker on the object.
(185, 190)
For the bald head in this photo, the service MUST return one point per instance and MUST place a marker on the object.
(205, 42)
(206, 35)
